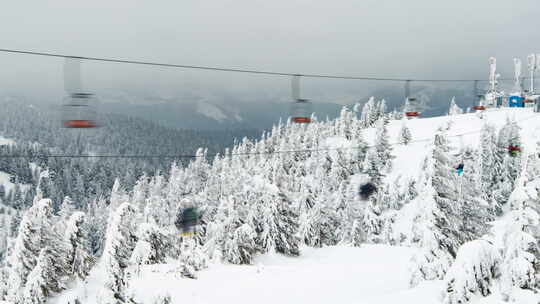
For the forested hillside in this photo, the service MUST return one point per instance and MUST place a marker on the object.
(475, 231)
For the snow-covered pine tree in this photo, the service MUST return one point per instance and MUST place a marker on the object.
(120, 242)
(473, 272)
(446, 197)
(239, 247)
(454, 108)
(79, 260)
(191, 258)
(436, 225)
(381, 109)
(383, 148)
(405, 135)
(521, 263)
(163, 299)
(490, 167)
(372, 222)
(475, 211)
(151, 247)
(35, 233)
(96, 225)
(368, 109)
(507, 166)
(38, 286)
(140, 192)
(66, 209)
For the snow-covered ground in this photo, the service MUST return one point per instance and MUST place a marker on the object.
(340, 274)
(372, 274)
(464, 130)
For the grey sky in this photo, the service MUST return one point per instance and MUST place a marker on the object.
(392, 38)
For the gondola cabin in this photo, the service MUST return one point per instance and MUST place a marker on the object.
(412, 114)
(301, 111)
(187, 220)
(459, 169)
(514, 150)
(365, 191)
(78, 111)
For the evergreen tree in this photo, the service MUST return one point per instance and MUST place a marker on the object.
(383, 148)
(446, 195)
(191, 258)
(475, 269)
(35, 233)
(405, 136)
(475, 211)
(367, 116)
(454, 108)
(151, 247)
(521, 263)
(79, 259)
(120, 242)
(239, 247)
(38, 286)
(66, 209)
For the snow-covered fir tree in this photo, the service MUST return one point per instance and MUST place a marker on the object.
(473, 272)
(454, 108)
(120, 242)
(405, 135)
(79, 258)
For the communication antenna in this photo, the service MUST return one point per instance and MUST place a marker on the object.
(475, 93)
(493, 73)
(517, 76)
(533, 62)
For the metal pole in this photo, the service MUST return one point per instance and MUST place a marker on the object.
(475, 92)
(531, 91)
(407, 89)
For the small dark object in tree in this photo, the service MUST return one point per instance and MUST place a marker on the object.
(366, 190)
(187, 220)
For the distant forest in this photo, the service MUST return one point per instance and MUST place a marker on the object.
(38, 132)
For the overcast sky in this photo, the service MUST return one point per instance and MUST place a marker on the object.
(386, 38)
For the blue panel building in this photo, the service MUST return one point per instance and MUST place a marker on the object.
(516, 102)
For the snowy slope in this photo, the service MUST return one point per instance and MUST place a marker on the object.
(464, 130)
(340, 274)
(371, 274)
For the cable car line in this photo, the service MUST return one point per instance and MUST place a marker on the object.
(239, 154)
(235, 70)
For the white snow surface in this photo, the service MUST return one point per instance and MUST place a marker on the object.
(377, 274)
(463, 130)
(372, 274)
